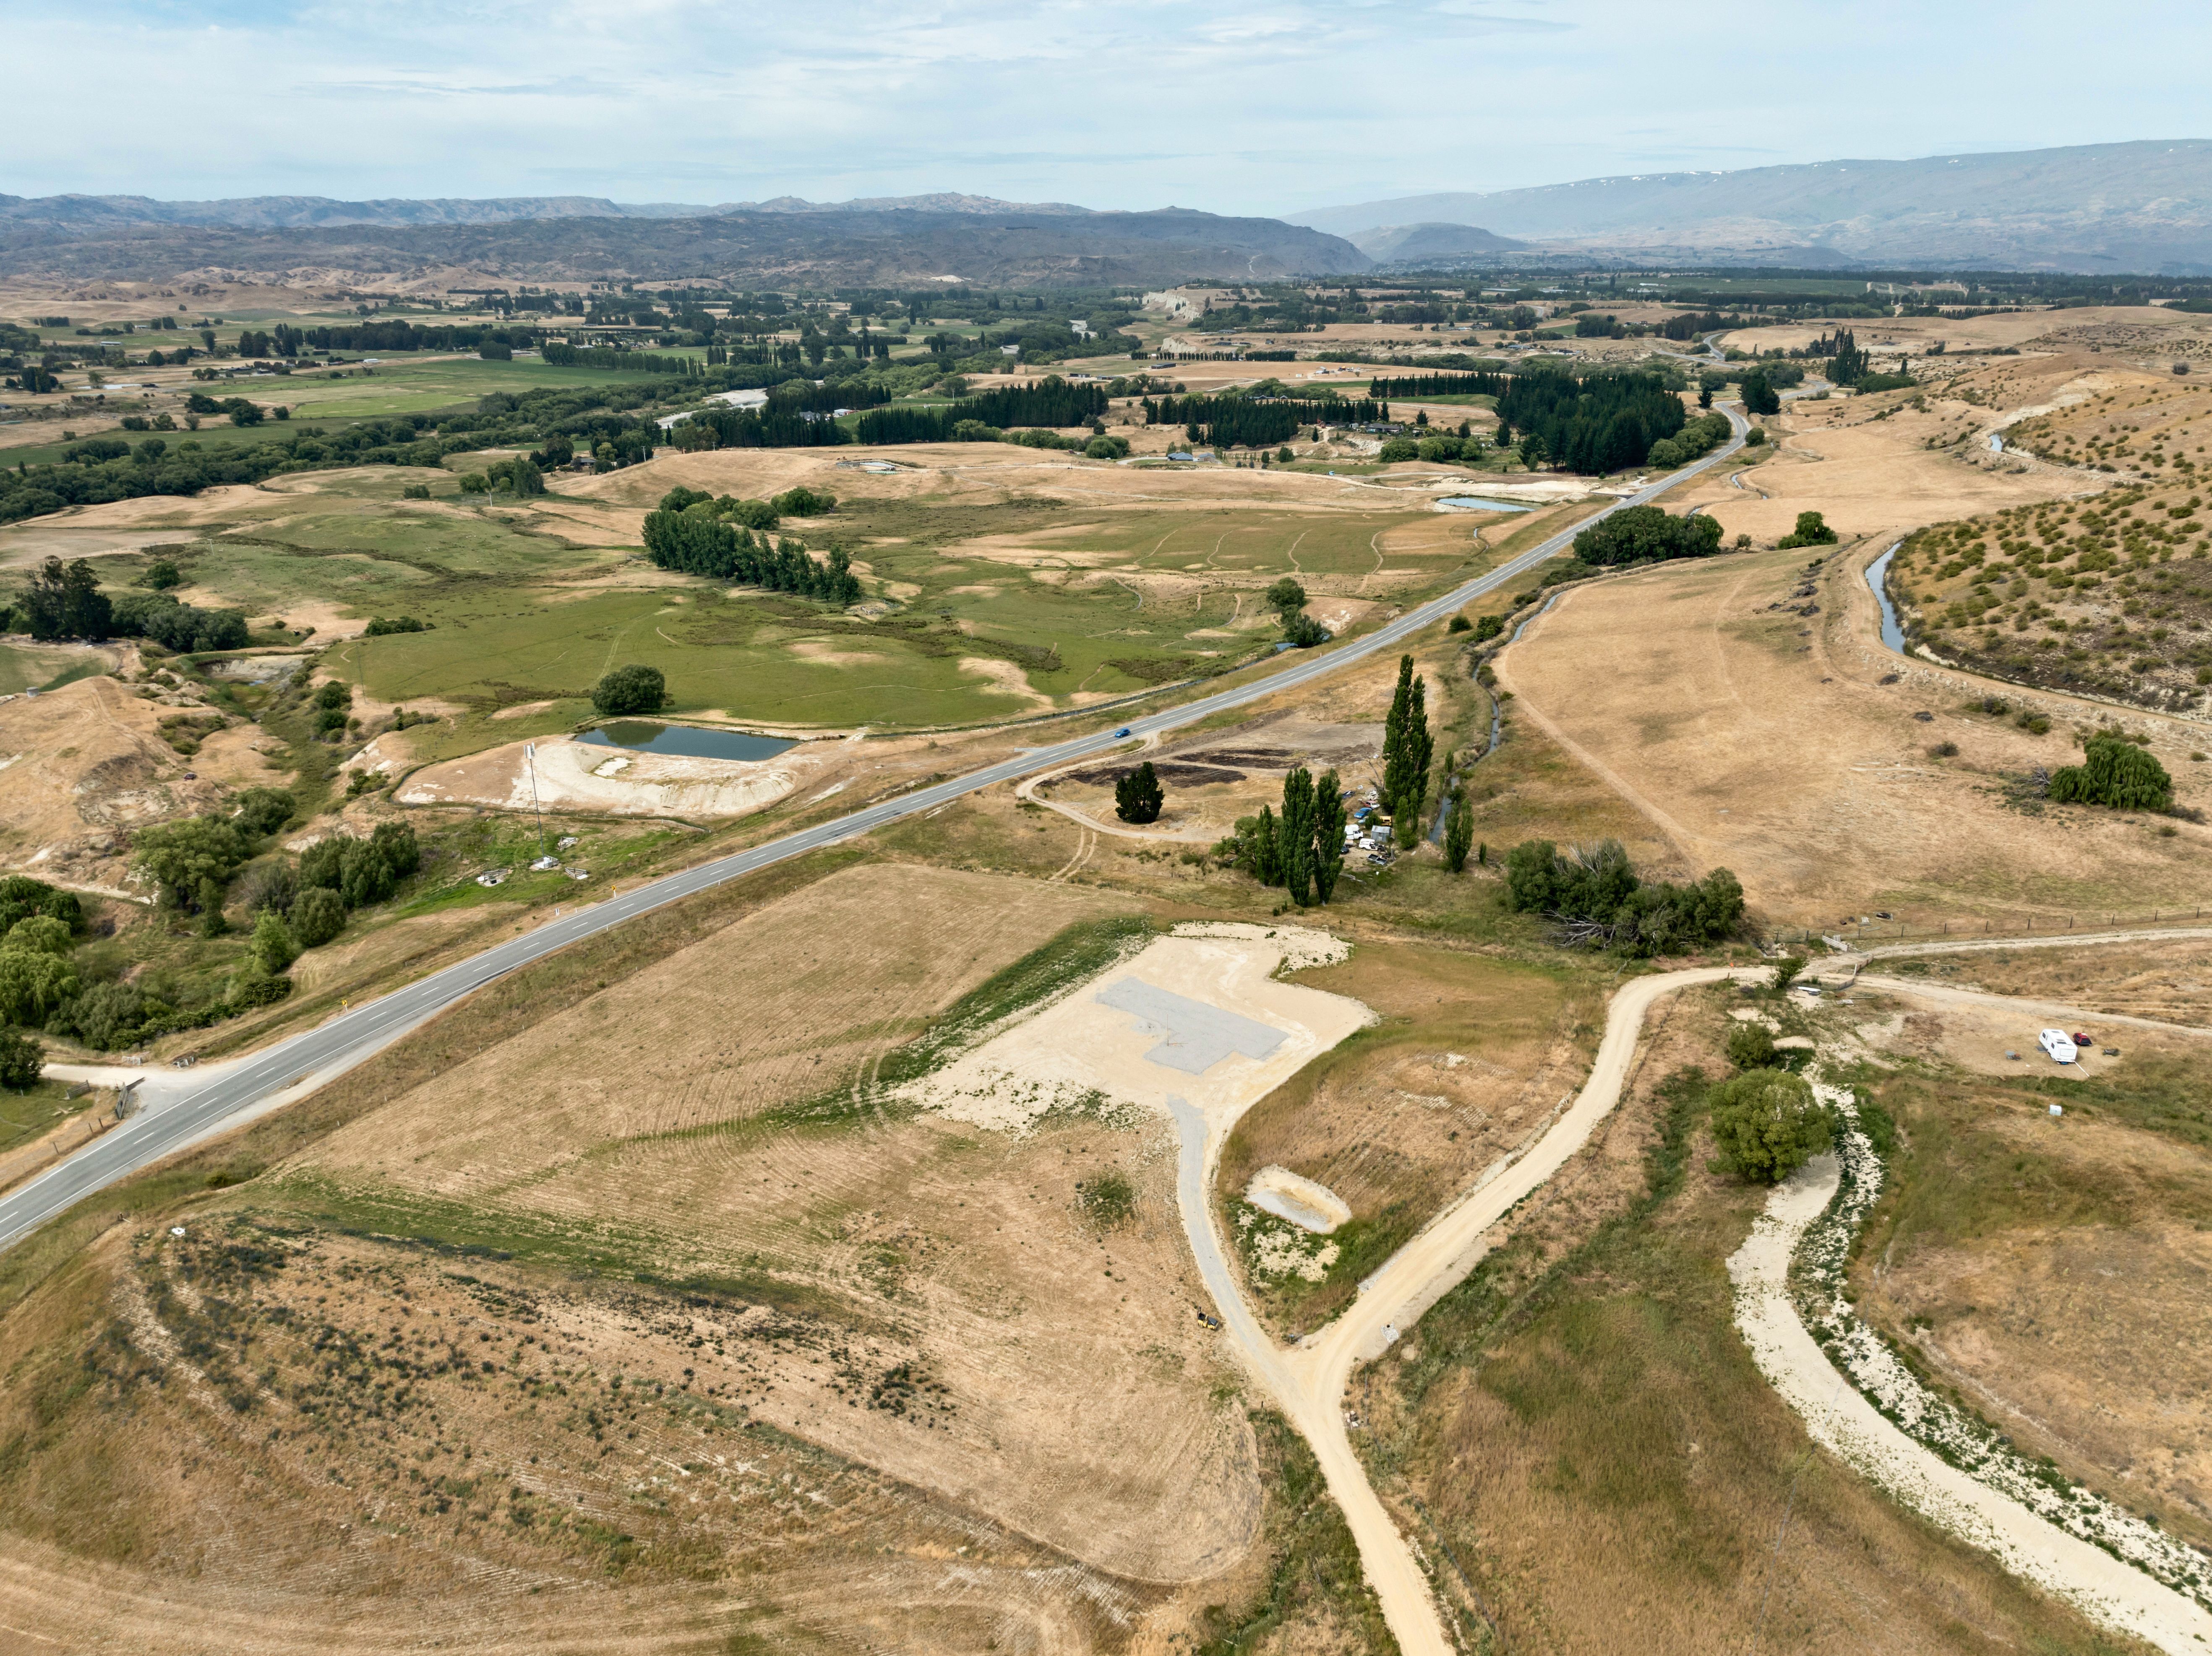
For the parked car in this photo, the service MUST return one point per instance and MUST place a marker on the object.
(2056, 1043)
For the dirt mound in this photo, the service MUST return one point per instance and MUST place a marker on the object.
(83, 766)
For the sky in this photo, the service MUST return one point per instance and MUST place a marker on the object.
(1258, 108)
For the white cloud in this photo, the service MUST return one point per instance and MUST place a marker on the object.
(1248, 109)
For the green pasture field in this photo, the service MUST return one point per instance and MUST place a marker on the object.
(320, 403)
(775, 660)
(365, 548)
(1227, 541)
(217, 433)
(398, 385)
(782, 660)
(512, 620)
(37, 1111)
(36, 666)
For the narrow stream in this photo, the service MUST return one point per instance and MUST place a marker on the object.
(1497, 727)
(1877, 578)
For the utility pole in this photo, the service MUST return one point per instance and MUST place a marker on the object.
(530, 752)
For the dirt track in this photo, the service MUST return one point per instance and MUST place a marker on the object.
(1308, 1380)
(1841, 1419)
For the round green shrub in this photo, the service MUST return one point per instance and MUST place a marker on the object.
(318, 915)
(1767, 1124)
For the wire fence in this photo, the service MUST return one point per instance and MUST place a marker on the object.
(1883, 930)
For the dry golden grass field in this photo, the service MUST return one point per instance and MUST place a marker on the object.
(1794, 751)
(2053, 1270)
(1581, 1426)
(2168, 980)
(636, 1305)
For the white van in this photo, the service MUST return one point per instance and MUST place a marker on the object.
(2058, 1044)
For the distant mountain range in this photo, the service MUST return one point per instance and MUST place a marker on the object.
(2125, 207)
(888, 242)
(94, 213)
(2119, 206)
(1413, 244)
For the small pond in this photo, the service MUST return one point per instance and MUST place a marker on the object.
(1478, 503)
(683, 741)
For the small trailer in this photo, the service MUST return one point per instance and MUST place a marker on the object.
(2058, 1044)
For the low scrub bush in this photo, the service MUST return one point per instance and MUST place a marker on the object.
(2114, 772)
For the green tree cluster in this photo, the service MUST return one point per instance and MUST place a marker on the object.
(37, 977)
(1459, 831)
(1599, 901)
(1700, 436)
(1812, 530)
(699, 542)
(1851, 364)
(64, 601)
(1751, 1047)
(177, 628)
(1231, 421)
(1301, 850)
(190, 859)
(361, 871)
(1288, 600)
(22, 1060)
(1646, 534)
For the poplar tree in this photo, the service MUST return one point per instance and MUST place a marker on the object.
(1459, 832)
(1267, 856)
(1327, 835)
(1297, 834)
(1407, 747)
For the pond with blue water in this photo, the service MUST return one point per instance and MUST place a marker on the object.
(684, 741)
(1480, 503)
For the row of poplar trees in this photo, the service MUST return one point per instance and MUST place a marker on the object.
(1303, 849)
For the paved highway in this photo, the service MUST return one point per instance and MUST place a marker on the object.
(351, 1036)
